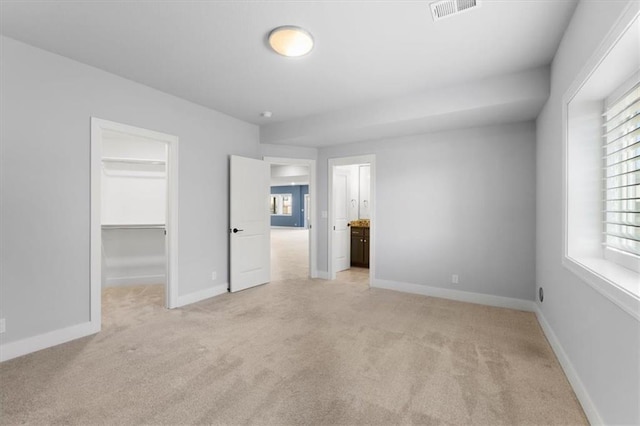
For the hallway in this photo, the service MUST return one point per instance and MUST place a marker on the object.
(290, 258)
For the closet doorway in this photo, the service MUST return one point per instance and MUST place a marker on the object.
(133, 215)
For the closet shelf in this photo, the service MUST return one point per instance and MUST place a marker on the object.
(137, 226)
(133, 161)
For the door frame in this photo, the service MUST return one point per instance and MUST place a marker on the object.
(313, 230)
(306, 203)
(171, 288)
(347, 161)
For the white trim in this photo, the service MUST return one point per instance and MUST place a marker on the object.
(313, 231)
(197, 296)
(462, 296)
(347, 161)
(578, 387)
(597, 272)
(171, 288)
(42, 341)
(625, 20)
(95, 245)
(135, 280)
(594, 278)
(624, 259)
(624, 89)
(323, 275)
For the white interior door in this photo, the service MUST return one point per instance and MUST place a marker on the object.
(341, 231)
(249, 223)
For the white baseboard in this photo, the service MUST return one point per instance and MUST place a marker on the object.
(197, 296)
(578, 387)
(462, 296)
(42, 341)
(324, 275)
(135, 280)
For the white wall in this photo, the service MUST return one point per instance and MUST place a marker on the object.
(133, 193)
(354, 197)
(129, 199)
(600, 340)
(459, 202)
(359, 188)
(133, 257)
(47, 102)
(286, 151)
(364, 192)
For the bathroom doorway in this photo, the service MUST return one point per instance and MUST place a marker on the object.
(351, 222)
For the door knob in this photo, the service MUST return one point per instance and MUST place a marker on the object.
(236, 230)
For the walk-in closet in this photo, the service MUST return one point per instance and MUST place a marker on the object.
(133, 212)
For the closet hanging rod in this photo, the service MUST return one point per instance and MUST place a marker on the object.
(139, 226)
(132, 160)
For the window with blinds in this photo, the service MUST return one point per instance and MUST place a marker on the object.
(622, 173)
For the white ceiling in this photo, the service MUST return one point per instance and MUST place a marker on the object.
(214, 52)
(287, 174)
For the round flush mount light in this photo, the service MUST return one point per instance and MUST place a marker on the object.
(291, 41)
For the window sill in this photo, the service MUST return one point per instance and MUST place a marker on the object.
(618, 284)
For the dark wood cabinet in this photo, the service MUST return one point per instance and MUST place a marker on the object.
(359, 246)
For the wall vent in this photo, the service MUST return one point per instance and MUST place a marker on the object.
(446, 8)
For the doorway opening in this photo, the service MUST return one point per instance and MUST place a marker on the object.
(351, 218)
(133, 217)
(291, 202)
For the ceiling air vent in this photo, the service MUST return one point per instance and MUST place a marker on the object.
(446, 8)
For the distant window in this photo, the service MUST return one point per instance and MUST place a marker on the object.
(281, 204)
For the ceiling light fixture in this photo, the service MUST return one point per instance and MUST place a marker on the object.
(291, 41)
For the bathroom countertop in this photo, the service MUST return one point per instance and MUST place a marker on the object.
(360, 223)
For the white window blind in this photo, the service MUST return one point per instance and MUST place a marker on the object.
(622, 173)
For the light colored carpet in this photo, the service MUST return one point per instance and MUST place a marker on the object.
(289, 253)
(295, 351)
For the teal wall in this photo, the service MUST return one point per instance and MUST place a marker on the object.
(297, 217)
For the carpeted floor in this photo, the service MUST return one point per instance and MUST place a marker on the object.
(295, 351)
(289, 253)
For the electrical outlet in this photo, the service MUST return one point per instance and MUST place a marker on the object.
(214, 276)
(455, 279)
(3, 325)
